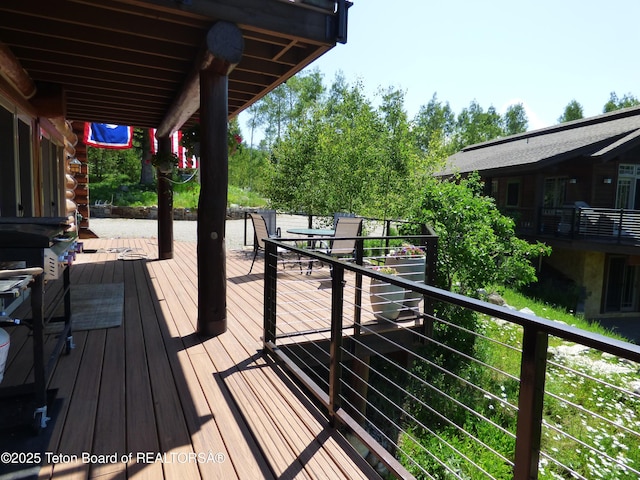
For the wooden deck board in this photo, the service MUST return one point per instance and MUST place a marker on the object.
(139, 398)
(153, 385)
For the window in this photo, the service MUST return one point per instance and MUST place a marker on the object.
(628, 187)
(621, 285)
(8, 188)
(626, 170)
(554, 194)
(513, 194)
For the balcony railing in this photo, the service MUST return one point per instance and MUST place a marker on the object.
(449, 386)
(593, 224)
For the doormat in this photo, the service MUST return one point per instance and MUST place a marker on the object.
(93, 306)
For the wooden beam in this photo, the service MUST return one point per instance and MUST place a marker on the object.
(13, 72)
(311, 24)
(224, 47)
(187, 101)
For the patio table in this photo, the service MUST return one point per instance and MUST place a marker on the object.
(313, 234)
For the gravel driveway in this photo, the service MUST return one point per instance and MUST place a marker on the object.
(183, 230)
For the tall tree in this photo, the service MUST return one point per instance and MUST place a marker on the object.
(515, 119)
(345, 156)
(573, 111)
(477, 246)
(399, 158)
(287, 104)
(474, 125)
(616, 103)
(303, 92)
(435, 122)
(120, 166)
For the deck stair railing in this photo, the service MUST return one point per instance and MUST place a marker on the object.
(449, 386)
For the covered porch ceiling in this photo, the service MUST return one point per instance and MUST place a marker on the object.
(126, 61)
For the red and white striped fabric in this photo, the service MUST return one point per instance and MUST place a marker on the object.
(184, 161)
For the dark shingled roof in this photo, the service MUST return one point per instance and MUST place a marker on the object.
(603, 136)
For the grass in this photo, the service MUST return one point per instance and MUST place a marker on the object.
(552, 312)
(185, 195)
(591, 417)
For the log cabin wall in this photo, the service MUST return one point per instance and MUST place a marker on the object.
(82, 177)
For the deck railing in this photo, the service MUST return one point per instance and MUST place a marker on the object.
(284, 221)
(448, 386)
(594, 224)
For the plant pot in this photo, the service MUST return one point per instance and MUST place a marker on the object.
(409, 268)
(386, 299)
(165, 168)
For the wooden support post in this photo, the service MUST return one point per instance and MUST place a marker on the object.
(225, 43)
(212, 205)
(530, 403)
(165, 205)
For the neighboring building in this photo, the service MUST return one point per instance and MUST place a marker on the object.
(576, 187)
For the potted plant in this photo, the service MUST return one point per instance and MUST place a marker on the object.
(386, 298)
(164, 162)
(409, 261)
(190, 140)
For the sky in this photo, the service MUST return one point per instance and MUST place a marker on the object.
(541, 53)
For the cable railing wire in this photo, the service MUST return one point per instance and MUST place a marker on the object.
(601, 453)
(450, 398)
(366, 334)
(435, 412)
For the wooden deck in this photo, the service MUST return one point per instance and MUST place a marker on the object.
(152, 386)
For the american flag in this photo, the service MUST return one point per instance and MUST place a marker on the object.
(106, 135)
(184, 161)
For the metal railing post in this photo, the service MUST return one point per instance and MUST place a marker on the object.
(246, 215)
(530, 403)
(335, 348)
(270, 286)
(387, 233)
(620, 225)
(357, 308)
(429, 279)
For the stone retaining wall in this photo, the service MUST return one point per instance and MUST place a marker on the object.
(112, 211)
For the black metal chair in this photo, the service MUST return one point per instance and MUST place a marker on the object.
(260, 233)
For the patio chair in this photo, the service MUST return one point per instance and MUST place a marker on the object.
(260, 233)
(338, 215)
(345, 227)
(269, 216)
(342, 247)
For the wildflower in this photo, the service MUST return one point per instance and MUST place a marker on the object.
(407, 250)
(386, 270)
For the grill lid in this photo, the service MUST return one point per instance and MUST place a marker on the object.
(28, 235)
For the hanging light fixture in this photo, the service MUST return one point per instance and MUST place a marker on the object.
(75, 165)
